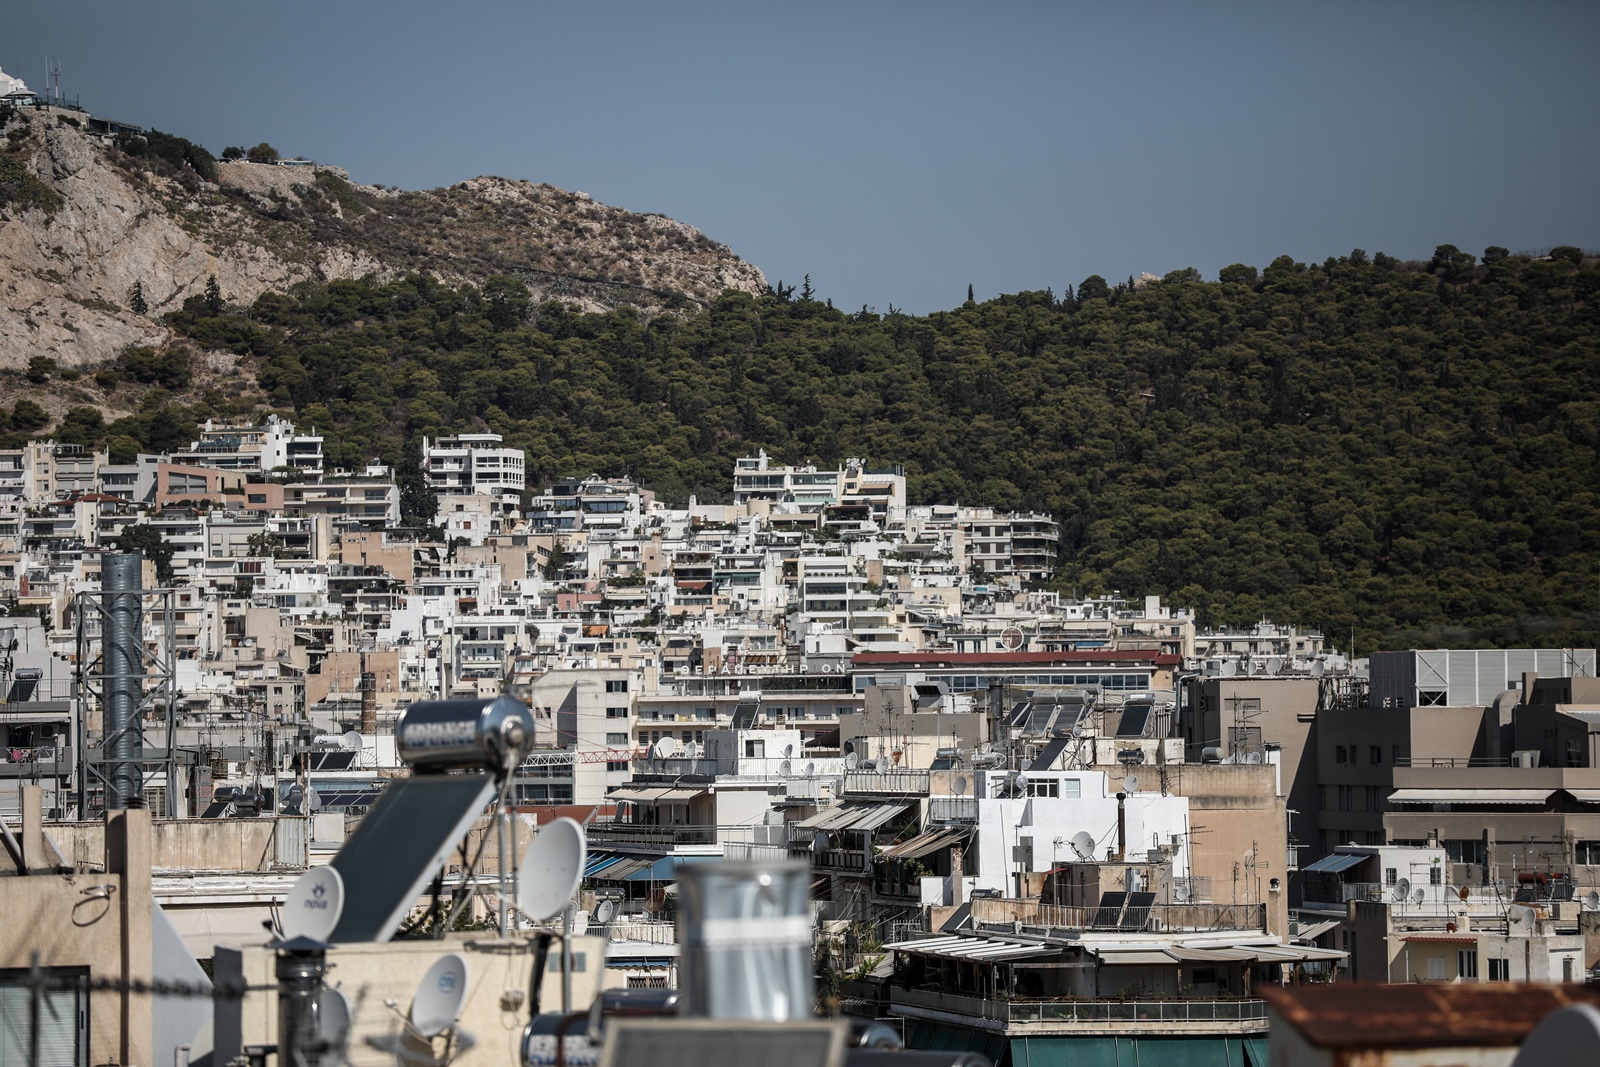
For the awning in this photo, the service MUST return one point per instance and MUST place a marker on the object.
(874, 817)
(1214, 955)
(1586, 796)
(1135, 957)
(598, 861)
(666, 868)
(637, 795)
(922, 844)
(1338, 861)
(621, 868)
(1441, 939)
(1312, 931)
(1469, 796)
(974, 948)
(677, 796)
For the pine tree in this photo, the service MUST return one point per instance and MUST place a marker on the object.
(214, 302)
(136, 301)
(805, 288)
(969, 292)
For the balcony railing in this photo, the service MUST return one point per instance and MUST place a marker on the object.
(617, 833)
(953, 810)
(1004, 911)
(1249, 1013)
(897, 783)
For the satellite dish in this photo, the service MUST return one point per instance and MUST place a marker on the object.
(1083, 844)
(1230, 667)
(552, 867)
(605, 911)
(1130, 784)
(1402, 889)
(1419, 895)
(351, 742)
(1011, 638)
(819, 842)
(1464, 893)
(784, 768)
(788, 750)
(440, 995)
(668, 748)
(1250, 666)
(1317, 668)
(1274, 665)
(333, 1010)
(1567, 1035)
(811, 768)
(959, 786)
(850, 761)
(1018, 783)
(1520, 919)
(692, 750)
(313, 906)
(1591, 900)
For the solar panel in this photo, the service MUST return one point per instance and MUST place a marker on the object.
(1039, 718)
(332, 760)
(400, 846)
(1070, 714)
(1138, 913)
(1047, 758)
(1109, 912)
(1135, 717)
(744, 715)
(1019, 711)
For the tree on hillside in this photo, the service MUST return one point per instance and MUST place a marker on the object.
(144, 538)
(263, 153)
(136, 301)
(28, 417)
(214, 301)
(232, 152)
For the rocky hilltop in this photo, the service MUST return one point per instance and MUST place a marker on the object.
(86, 215)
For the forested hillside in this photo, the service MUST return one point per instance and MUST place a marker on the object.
(1405, 449)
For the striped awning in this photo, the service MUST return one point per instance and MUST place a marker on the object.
(922, 844)
(974, 948)
(1469, 796)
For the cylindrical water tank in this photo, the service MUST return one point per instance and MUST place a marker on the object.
(122, 593)
(437, 735)
(744, 931)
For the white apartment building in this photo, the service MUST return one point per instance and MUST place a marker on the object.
(271, 446)
(878, 493)
(475, 463)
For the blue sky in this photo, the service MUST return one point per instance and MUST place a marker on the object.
(897, 152)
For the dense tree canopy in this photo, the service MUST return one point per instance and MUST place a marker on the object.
(1408, 450)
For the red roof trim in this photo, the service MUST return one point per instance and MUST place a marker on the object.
(1015, 659)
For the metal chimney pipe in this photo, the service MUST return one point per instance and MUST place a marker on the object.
(369, 703)
(121, 584)
(1122, 826)
(745, 933)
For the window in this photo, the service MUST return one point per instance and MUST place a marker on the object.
(1347, 798)
(1499, 970)
(1043, 787)
(1375, 754)
(1390, 874)
(616, 739)
(1435, 968)
(1071, 788)
(755, 749)
(1374, 798)
(1394, 753)
(1436, 875)
(617, 685)
(1587, 852)
(1465, 850)
(616, 713)
(1467, 963)
(1566, 969)
(1431, 698)
(1338, 754)
(63, 1015)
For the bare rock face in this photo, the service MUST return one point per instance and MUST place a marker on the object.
(67, 272)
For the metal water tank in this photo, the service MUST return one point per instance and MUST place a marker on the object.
(441, 735)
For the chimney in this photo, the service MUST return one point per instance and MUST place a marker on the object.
(1122, 826)
(369, 703)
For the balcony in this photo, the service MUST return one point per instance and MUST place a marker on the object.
(891, 783)
(1004, 911)
(1178, 1015)
(962, 811)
